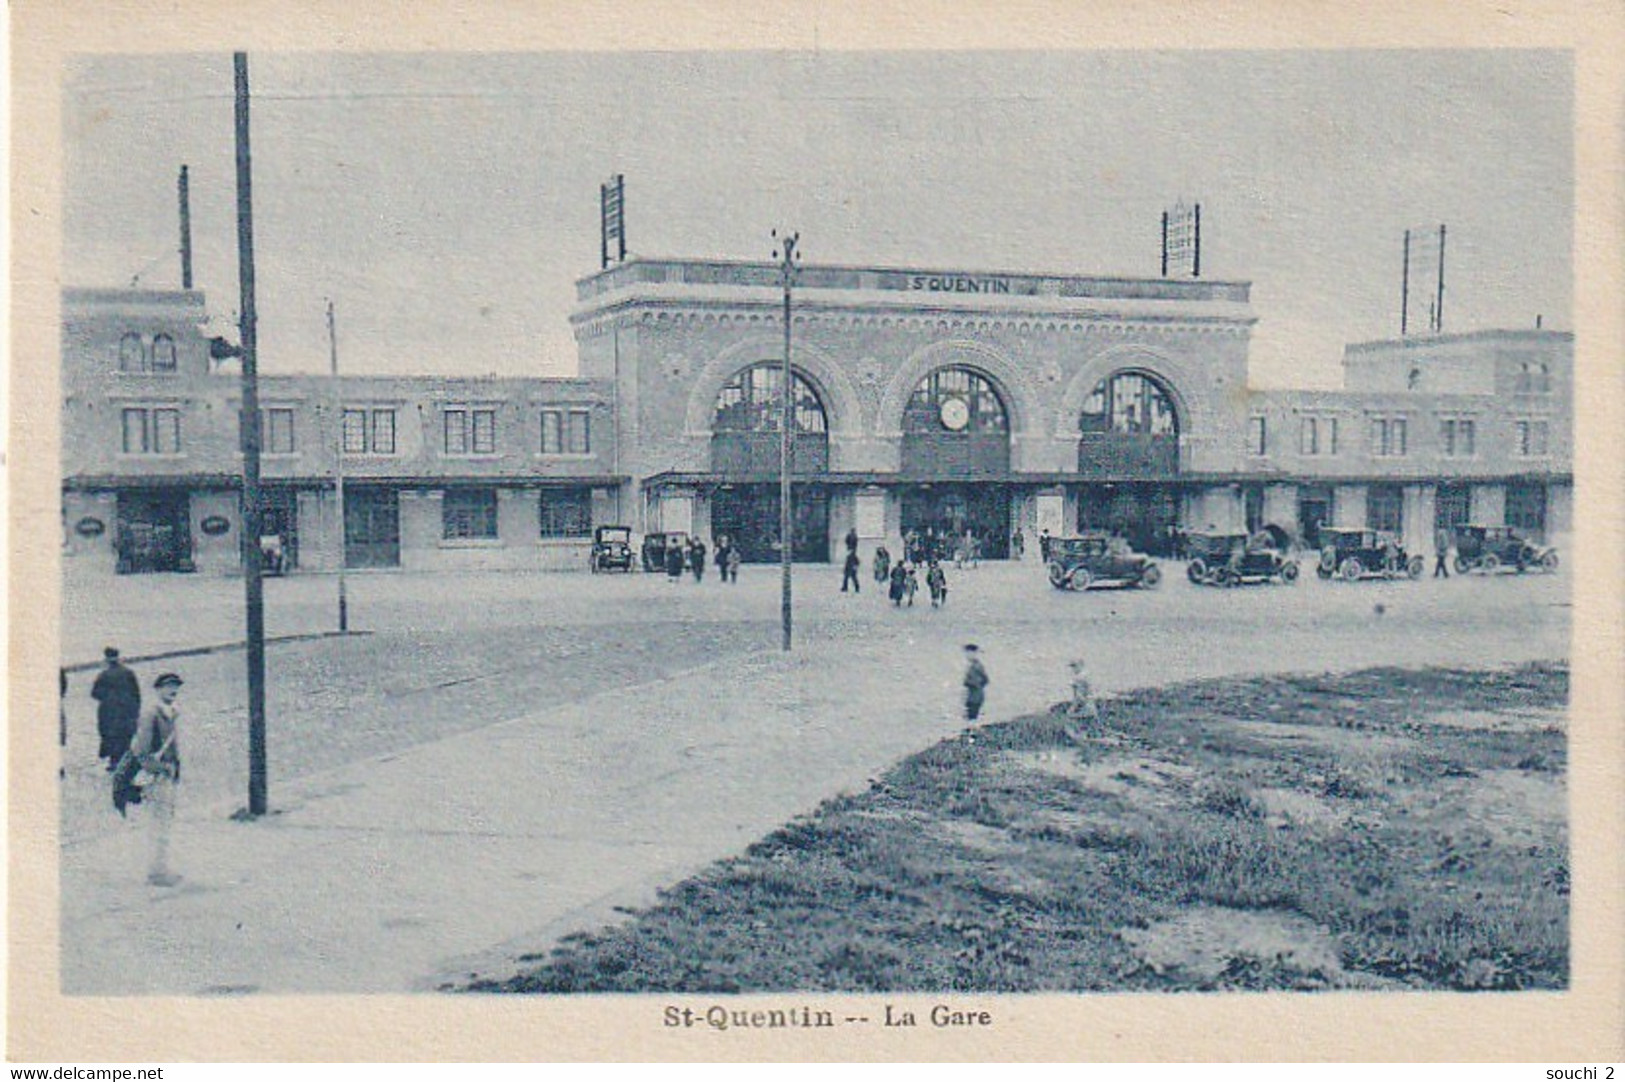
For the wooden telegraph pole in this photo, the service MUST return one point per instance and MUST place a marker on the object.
(254, 583)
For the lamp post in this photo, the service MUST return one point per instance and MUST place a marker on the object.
(787, 272)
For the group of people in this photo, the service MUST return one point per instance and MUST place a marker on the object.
(690, 556)
(901, 579)
(140, 744)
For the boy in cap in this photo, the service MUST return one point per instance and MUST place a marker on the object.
(156, 746)
(975, 681)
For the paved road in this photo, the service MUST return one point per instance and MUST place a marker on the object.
(583, 740)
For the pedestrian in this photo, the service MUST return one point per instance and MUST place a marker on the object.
(882, 565)
(976, 681)
(156, 746)
(1441, 546)
(734, 560)
(1043, 544)
(696, 560)
(1082, 709)
(1018, 543)
(899, 582)
(674, 560)
(850, 573)
(911, 585)
(936, 581)
(118, 695)
(720, 558)
(962, 551)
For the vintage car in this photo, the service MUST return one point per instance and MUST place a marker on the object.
(1232, 559)
(1489, 548)
(611, 549)
(1077, 563)
(654, 548)
(1359, 554)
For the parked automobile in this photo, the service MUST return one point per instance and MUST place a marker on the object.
(1077, 563)
(1231, 559)
(654, 548)
(1489, 548)
(1353, 554)
(611, 549)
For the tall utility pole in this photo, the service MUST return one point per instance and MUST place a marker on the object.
(254, 584)
(183, 194)
(787, 271)
(338, 464)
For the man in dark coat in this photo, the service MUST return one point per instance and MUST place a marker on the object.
(975, 682)
(674, 559)
(118, 695)
(850, 573)
(696, 559)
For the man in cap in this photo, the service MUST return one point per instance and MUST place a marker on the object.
(118, 697)
(156, 745)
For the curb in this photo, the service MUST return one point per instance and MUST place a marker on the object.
(217, 648)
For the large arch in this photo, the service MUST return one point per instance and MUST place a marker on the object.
(1013, 386)
(835, 391)
(746, 427)
(1169, 371)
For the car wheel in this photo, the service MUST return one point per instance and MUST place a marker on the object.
(1289, 571)
(1328, 562)
(1057, 576)
(1490, 564)
(1352, 569)
(1548, 562)
(1151, 576)
(1414, 566)
(1081, 578)
(1322, 572)
(1463, 565)
(1196, 571)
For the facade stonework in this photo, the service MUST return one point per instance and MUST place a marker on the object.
(931, 403)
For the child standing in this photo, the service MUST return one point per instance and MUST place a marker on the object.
(976, 682)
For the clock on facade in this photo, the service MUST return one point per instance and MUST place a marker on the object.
(955, 414)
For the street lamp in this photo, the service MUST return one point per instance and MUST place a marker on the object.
(787, 256)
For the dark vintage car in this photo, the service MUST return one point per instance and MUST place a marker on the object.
(1077, 563)
(1232, 559)
(1490, 548)
(611, 549)
(1353, 554)
(654, 549)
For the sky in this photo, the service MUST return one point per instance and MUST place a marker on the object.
(447, 203)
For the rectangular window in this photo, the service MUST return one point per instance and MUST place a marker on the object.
(278, 431)
(552, 432)
(1526, 510)
(383, 432)
(155, 431)
(1532, 439)
(456, 432)
(1331, 435)
(566, 512)
(578, 437)
(369, 432)
(1309, 436)
(1456, 437)
(1388, 437)
(469, 514)
(1256, 436)
(485, 432)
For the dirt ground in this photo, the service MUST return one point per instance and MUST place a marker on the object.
(1386, 829)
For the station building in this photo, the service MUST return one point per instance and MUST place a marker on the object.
(924, 400)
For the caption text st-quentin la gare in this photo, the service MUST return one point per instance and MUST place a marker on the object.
(717, 1017)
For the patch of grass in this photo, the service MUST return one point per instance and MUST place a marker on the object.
(972, 866)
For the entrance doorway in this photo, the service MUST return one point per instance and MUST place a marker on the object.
(279, 516)
(1145, 515)
(154, 532)
(372, 527)
(942, 513)
(749, 516)
(1314, 511)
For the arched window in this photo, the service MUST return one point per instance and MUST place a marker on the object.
(163, 353)
(1129, 403)
(750, 402)
(132, 353)
(955, 401)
